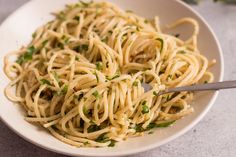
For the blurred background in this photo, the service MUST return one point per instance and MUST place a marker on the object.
(214, 136)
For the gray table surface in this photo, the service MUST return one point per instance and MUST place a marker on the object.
(214, 136)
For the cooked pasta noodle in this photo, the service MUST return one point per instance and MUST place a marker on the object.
(81, 77)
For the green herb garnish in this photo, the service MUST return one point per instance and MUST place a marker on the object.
(27, 56)
(34, 35)
(135, 83)
(44, 81)
(55, 75)
(64, 90)
(77, 58)
(86, 143)
(102, 138)
(112, 144)
(93, 128)
(77, 17)
(99, 66)
(182, 52)
(162, 43)
(61, 16)
(145, 108)
(85, 111)
(155, 93)
(163, 125)
(169, 77)
(44, 43)
(84, 47)
(96, 94)
(85, 4)
(114, 77)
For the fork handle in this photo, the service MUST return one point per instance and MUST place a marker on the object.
(203, 87)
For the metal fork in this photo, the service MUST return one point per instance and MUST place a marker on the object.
(198, 87)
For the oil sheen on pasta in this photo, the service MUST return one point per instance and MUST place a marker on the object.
(81, 75)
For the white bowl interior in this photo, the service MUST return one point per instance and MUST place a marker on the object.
(17, 29)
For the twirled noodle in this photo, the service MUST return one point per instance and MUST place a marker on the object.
(81, 76)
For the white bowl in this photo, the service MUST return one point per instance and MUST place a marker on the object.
(17, 30)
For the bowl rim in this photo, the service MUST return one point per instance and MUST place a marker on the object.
(144, 148)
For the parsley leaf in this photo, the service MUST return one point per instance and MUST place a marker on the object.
(44, 81)
(102, 138)
(162, 43)
(27, 56)
(112, 144)
(93, 128)
(145, 108)
(114, 77)
(155, 93)
(99, 66)
(55, 75)
(64, 90)
(96, 94)
(85, 4)
(135, 83)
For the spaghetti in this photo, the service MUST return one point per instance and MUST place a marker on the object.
(81, 76)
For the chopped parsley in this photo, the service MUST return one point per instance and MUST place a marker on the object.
(135, 83)
(145, 108)
(102, 138)
(64, 90)
(61, 16)
(85, 4)
(112, 144)
(55, 75)
(34, 35)
(77, 17)
(169, 77)
(155, 93)
(85, 110)
(182, 52)
(77, 58)
(84, 47)
(99, 66)
(86, 143)
(65, 39)
(163, 125)
(96, 94)
(139, 128)
(44, 81)
(114, 77)
(162, 43)
(44, 43)
(93, 128)
(27, 56)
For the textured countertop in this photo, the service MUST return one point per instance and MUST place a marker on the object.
(214, 136)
